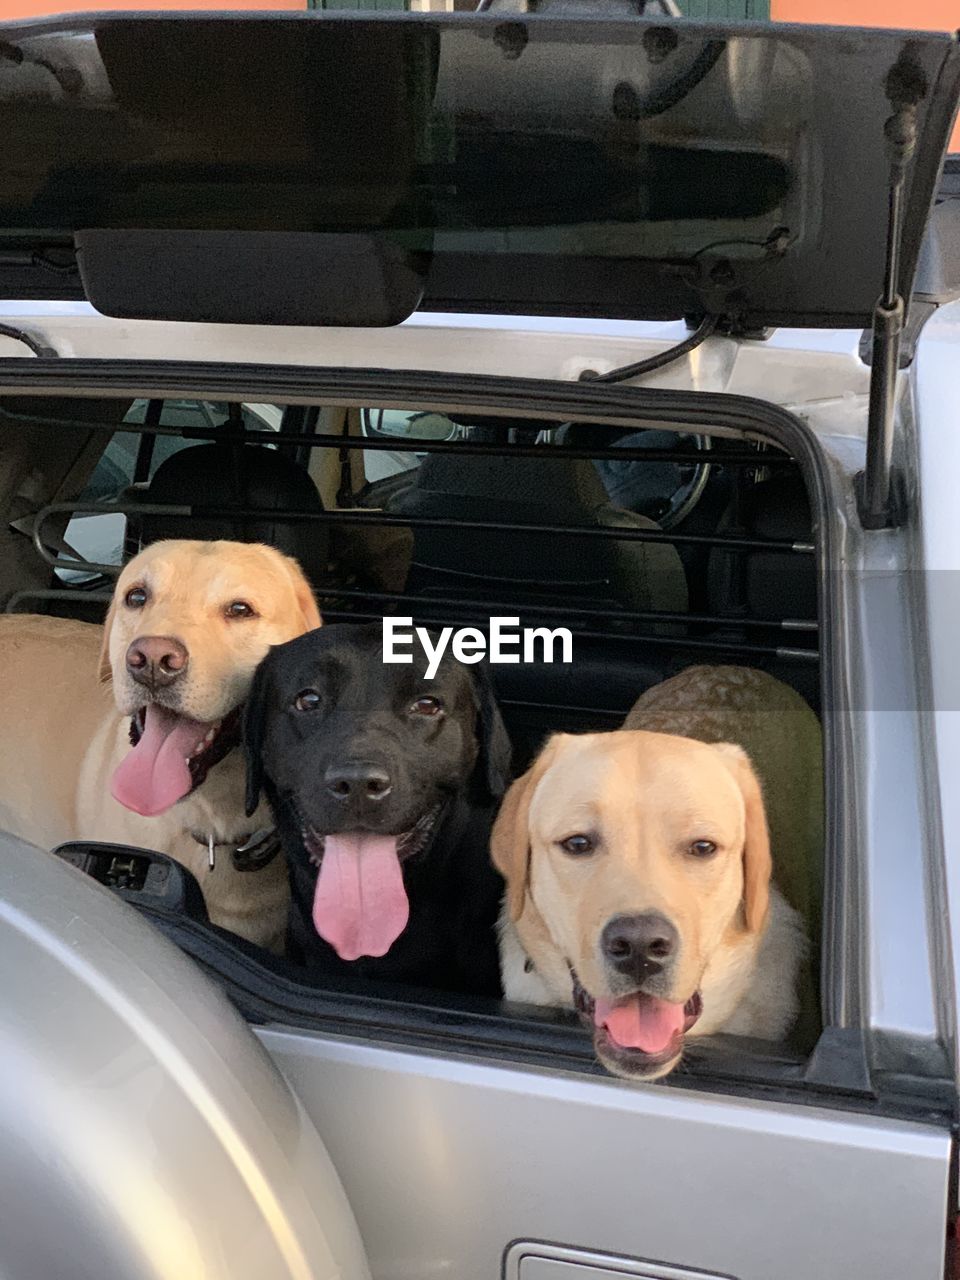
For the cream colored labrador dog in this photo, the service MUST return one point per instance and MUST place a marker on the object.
(150, 755)
(638, 868)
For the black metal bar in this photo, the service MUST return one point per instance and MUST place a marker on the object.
(710, 644)
(567, 611)
(785, 653)
(148, 440)
(559, 611)
(523, 704)
(613, 533)
(297, 419)
(54, 593)
(467, 448)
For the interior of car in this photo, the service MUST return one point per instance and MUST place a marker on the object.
(658, 548)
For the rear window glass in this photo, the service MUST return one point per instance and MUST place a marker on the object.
(100, 538)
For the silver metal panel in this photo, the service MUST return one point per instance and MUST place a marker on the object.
(887, 845)
(449, 1161)
(535, 1268)
(881, 957)
(938, 466)
(795, 365)
(144, 1133)
(533, 1260)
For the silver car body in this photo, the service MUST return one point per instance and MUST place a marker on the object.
(145, 1133)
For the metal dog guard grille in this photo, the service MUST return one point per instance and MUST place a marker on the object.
(728, 635)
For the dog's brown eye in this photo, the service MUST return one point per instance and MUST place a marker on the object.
(579, 845)
(307, 700)
(703, 848)
(426, 707)
(135, 598)
(240, 609)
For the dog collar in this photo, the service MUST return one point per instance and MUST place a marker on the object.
(250, 852)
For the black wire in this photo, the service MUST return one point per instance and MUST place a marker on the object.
(703, 331)
(683, 86)
(36, 258)
(774, 245)
(20, 335)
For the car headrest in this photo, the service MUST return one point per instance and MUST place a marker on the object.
(566, 486)
(253, 479)
(775, 584)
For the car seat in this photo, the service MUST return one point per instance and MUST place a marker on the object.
(251, 479)
(770, 584)
(542, 566)
(486, 571)
(635, 485)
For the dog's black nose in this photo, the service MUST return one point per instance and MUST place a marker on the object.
(359, 781)
(638, 946)
(156, 661)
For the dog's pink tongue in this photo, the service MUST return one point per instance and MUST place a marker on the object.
(154, 775)
(640, 1022)
(360, 905)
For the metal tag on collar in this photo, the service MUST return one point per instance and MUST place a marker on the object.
(257, 851)
(211, 851)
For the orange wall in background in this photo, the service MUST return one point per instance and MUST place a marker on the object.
(922, 15)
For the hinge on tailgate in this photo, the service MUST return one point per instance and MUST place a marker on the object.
(905, 88)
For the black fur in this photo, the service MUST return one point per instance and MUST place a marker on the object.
(460, 759)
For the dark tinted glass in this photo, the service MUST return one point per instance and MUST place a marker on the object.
(644, 169)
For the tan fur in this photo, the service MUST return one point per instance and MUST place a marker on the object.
(757, 860)
(649, 795)
(509, 841)
(782, 737)
(55, 775)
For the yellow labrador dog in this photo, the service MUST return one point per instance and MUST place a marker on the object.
(150, 755)
(638, 868)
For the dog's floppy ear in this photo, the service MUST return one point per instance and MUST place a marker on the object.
(510, 838)
(496, 751)
(304, 593)
(757, 860)
(104, 669)
(253, 722)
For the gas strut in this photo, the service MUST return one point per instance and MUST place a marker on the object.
(905, 88)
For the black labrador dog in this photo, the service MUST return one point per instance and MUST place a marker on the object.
(385, 786)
